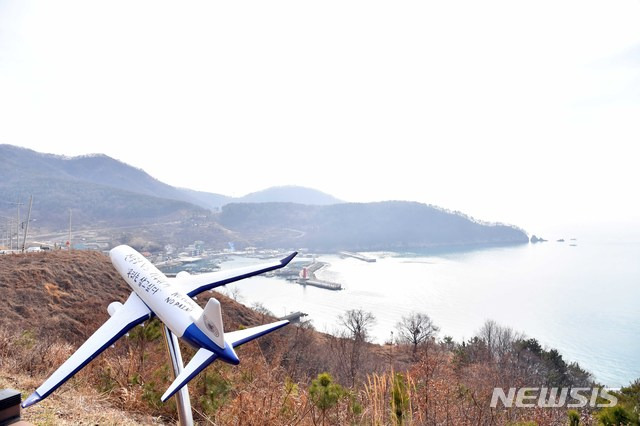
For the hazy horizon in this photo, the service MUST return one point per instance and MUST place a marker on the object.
(524, 114)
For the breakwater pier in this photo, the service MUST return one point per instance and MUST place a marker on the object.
(308, 277)
(358, 256)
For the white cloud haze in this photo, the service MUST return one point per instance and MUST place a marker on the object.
(523, 112)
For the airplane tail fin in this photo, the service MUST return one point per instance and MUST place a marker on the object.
(210, 322)
(204, 357)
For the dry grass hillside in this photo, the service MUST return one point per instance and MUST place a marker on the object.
(53, 301)
(58, 293)
(66, 294)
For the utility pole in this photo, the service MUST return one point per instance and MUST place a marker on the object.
(69, 240)
(26, 227)
(6, 233)
(18, 204)
(9, 234)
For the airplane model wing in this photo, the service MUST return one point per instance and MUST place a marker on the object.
(240, 337)
(132, 313)
(196, 284)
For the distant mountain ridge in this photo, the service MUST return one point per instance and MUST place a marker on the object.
(386, 225)
(283, 194)
(289, 194)
(99, 189)
(106, 193)
(17, 164)
(60, 183)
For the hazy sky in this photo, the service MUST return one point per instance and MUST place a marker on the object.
(514, 111)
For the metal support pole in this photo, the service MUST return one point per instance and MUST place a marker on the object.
(18, 225)
(26, 226)
(183, 403)
(69, 240)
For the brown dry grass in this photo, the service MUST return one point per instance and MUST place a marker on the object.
(53, 301)
(58, 293)
(72, 406)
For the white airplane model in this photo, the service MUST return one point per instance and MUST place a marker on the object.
(170, 299)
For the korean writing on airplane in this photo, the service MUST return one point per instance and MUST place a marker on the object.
(144, 282)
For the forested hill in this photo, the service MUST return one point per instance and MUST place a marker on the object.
(105, 193)
(102, 190)
(99, 190)
(362, 226)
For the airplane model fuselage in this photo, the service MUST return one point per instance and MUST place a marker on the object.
(170, 299)
(172, 305)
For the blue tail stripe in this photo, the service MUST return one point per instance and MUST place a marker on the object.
(196, 338)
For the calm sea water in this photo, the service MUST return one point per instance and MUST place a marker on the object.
(583, 300)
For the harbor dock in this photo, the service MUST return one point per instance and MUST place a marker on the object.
(321, 284)
(358, 256)
(308, 277)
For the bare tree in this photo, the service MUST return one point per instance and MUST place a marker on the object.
(261, 309)
(304, 357)
(233, 292)
(415, 329)
(357, 323)
(499, 339)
